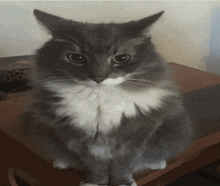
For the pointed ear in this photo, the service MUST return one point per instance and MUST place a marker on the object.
(51, 22)
(143, 26)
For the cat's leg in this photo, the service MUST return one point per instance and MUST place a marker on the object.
(123, 179)
(121, 172)
(98, 171)
(122, 169)
(55, 152)
(47, 145)
(62, 158)
(173, 136)
(97, 177)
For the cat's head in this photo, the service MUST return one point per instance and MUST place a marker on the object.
(105, 54)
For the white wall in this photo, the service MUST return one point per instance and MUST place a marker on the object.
(182, 34)
(213, 59)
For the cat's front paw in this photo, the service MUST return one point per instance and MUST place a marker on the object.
(89, 184)
(157, 165)
(133, 184)
(60, 164)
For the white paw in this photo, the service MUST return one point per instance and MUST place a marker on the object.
(158, 165)
(134, 184)
(82, 183)
(163, 164)
(60, 164)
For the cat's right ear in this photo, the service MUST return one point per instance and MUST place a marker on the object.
(143, 26)
(51, 22)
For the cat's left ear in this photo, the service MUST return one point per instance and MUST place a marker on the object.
(51, 22)
(143, 26)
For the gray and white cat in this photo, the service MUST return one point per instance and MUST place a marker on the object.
(105, 101)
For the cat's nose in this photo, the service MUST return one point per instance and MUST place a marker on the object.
(98, 79)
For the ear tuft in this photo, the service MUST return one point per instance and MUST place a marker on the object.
(38, 13)
(51, 22)
(143, 26)
(148, 21)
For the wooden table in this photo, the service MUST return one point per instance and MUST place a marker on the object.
(203, 103)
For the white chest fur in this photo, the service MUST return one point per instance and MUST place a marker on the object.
(101, 107)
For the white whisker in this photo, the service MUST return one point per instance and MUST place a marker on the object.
(71, 38)
(138, 80)
(62, 40)
(138, 73)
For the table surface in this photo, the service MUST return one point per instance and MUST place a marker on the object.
(190, 80)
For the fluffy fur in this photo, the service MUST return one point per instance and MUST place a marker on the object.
(113, 109)
(103, 104)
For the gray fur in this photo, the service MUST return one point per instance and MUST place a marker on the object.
(141, 130)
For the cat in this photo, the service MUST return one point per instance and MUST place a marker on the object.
(104, 100)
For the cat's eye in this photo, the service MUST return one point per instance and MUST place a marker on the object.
(120, 59)
(77, 58)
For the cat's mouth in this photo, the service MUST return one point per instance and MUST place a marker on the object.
(106, 82)
(113, 81)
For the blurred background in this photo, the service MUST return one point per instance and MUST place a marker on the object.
(188, 33)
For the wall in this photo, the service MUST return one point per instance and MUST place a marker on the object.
(213, 59)
(182, 34)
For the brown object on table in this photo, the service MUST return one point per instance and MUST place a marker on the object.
(201, 101)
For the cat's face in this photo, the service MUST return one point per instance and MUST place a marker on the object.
(100, 54)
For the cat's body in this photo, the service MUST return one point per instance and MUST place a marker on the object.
(104, 101)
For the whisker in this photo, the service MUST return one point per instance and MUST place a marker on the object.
(133, 86)
(62, 40)
(69, 37)
(60, 33)
(136, 80)
(133, 79)
(43, 81)
(138, 73)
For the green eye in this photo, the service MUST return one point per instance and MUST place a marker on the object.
(120, 59)
(76, 58)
